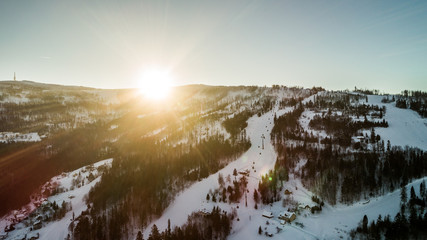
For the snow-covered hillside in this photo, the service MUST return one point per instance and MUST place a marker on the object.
(72, 187)
(406, 127)
(194, 122)
(257, 160)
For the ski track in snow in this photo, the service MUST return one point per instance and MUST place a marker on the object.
(194, 198)
(334, 222)
(406, 127)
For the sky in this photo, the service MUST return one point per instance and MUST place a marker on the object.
(109, 44)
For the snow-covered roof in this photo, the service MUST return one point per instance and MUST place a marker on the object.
(286, 214)
(267, 214)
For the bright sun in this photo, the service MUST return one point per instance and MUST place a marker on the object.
(155, 83)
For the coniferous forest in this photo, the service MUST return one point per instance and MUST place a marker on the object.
(327, 140)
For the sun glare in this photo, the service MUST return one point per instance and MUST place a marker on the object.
(155, 83)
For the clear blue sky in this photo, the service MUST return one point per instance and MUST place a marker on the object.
(106, 44)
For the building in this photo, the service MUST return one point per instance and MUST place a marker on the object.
(267, 214)
(304, 206)
(287, 216)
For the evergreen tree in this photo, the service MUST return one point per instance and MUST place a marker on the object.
(373, 135)
(154, 235)
(403, 194)
(256, 196)
(168, 231)
(221, 180)
(139, 236)
(365, 224)
(413, 196)
(422, 189)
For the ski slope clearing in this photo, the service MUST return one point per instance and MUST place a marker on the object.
(406, 127)
(194, 198)
(75, 186)
(333, 222)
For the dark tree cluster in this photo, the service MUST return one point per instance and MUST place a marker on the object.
(109, 225)
(289, 102)
(287, 123)
(237, 123)
(401, 103)
(233, 192)
(334, 123)
(414, 100)
(214, 225)
(367, 91)
(63, 152)
(47, 107)
(342, 128)
(360, 174)
(51, 211)
(347, 103)
(318, 207)
(144, 180)
(263, 105)
(330, 167)
(409, 223)
(271, 184)
(267, 188)
(387, 99)
(69, 142)
(288, 127)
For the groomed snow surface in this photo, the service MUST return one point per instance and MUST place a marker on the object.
(333, 222)
(406, 127)
(194, 198)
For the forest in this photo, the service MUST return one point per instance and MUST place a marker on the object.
(401, 227)
(414, 100)
(330, 168)
(340, 169)
(147, 173)
(328, 141)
